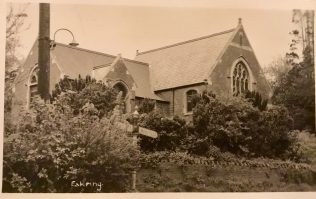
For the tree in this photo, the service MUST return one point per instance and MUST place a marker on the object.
(296, 89)
(277, 70)
(303, 34)
(14, 26)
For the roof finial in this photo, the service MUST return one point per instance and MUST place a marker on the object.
(239, 21)
(137, 52)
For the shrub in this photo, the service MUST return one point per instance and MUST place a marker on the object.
(51, 148)
(307, 150)
(231, 126)
(81, 91)
(171, 132)
(177, 158)
(234, 125)
(146, 106)
(256, 99)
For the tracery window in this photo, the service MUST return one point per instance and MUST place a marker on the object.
(189, 100)
(240, 79)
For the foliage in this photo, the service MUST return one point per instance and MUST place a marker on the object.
(171, 132)
(86, 91)
(277, 70)
(156, 159)
(146, 106)
(177, 158)
(307, 150)
(231, 126)
(235, 126)
(256, 99)
(14, 26)
(296, 91)
(50, 147)
(302, 34)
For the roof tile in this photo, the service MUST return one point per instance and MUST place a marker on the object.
(184, 63)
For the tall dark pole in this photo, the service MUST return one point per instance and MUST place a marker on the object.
(44, 50)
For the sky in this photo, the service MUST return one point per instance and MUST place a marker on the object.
(123, 29)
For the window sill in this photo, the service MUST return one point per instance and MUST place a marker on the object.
(188, 113)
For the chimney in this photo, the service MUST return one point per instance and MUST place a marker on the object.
(44, 50)
(239, 21)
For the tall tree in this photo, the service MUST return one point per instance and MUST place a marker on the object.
(14, 26)
(303, 34)
(296, 89)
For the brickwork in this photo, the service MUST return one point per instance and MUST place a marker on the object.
(220, 81)
(177, 99)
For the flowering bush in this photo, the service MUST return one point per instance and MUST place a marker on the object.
(53, 150)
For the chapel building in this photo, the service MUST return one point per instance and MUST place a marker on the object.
(224, 63)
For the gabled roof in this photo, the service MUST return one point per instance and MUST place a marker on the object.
(74, 61)
(140, 73)
(187, 62)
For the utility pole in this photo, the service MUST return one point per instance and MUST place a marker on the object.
(44, 50)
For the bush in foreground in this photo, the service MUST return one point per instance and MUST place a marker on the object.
(53, 150)
(234, 125)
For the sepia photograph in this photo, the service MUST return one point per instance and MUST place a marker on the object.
(152, 98)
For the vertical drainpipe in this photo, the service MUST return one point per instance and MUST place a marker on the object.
(44, 50)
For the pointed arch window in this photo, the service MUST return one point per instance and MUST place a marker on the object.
(240, 79)
(120, 87)
(33, 84)
(190, 94)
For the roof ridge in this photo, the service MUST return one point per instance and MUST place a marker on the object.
(84, 49)
(136, 61)
(100, 53)
(102, 65)
(188, 41)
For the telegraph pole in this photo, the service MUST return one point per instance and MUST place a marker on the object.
(44, 50)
